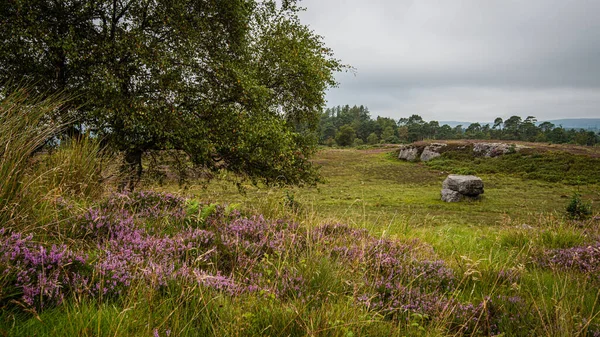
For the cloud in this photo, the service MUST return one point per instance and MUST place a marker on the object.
(469, 59)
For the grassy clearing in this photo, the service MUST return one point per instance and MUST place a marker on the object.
(371, 189)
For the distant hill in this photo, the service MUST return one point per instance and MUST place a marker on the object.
(578, 123)
(455, 123)
(567, 123)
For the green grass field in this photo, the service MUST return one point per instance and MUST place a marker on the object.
(509, 264)
(374, 190)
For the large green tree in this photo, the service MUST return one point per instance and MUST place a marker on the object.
(236, 84)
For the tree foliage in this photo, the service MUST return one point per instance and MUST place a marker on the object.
(346, 136)
(236, 84)
(414, 128)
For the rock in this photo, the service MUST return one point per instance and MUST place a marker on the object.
(408, 152)
(496, 149)
(471, 186)
(492, 149)
(451, 196)
(432, 151)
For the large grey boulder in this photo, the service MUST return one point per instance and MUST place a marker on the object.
(451, 196)
(432, 151)
(470, 186)
(408, 152)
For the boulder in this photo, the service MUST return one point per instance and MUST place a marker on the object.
(408, 152)
(492, 149)
(451, 196)
(470, 186)
(432, 151)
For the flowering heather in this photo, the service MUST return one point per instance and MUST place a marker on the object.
(397, 301)
(397, 282)
(585, 259)
(509, 276)
(385, 259)
(40, 276)
(234, 255)
(218, 282)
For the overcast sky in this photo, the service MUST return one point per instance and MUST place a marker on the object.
(470, 60)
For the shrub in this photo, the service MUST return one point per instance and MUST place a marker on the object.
(577, 209)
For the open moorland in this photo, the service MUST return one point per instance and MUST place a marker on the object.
(372, 251)
(171, 168)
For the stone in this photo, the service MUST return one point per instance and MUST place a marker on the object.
(408, 152)
(471, 186)
(432, 151)
(492, 149)
(449, 195)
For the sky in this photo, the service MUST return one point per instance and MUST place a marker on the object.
(469, 60)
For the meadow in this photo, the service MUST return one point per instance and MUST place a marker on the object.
(372, 251)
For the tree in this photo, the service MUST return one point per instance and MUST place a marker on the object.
(511, 127)
(445, 132)
(528, 130)
(403, 133)
(473, 131)
(496, 131)
(458, 132)
(416, 125)
(432, 128)
(583, 137)
(557, 135)
(546, 127)
(372, 139)
(346, 136)
(235, 84)
(497, 123)
(389, 136)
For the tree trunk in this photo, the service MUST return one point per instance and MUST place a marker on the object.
(131, 170)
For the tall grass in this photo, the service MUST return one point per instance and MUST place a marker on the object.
(31, 180)
(75, 169)
(24, 128)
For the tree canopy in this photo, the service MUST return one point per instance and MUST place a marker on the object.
(236, 84)
(414, 128)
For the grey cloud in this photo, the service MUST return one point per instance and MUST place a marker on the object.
(466, 58)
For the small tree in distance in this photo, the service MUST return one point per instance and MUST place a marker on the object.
(346, 136)
(373, 139)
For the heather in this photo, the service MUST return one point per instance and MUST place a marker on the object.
(230, 254)
(162, 243)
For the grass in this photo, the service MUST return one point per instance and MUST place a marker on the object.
(372, 189)
(473, 268)
(24, 128)
(530, 164)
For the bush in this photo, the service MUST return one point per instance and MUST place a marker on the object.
(577, 209)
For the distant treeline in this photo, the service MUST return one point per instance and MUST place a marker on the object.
(345, 126)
